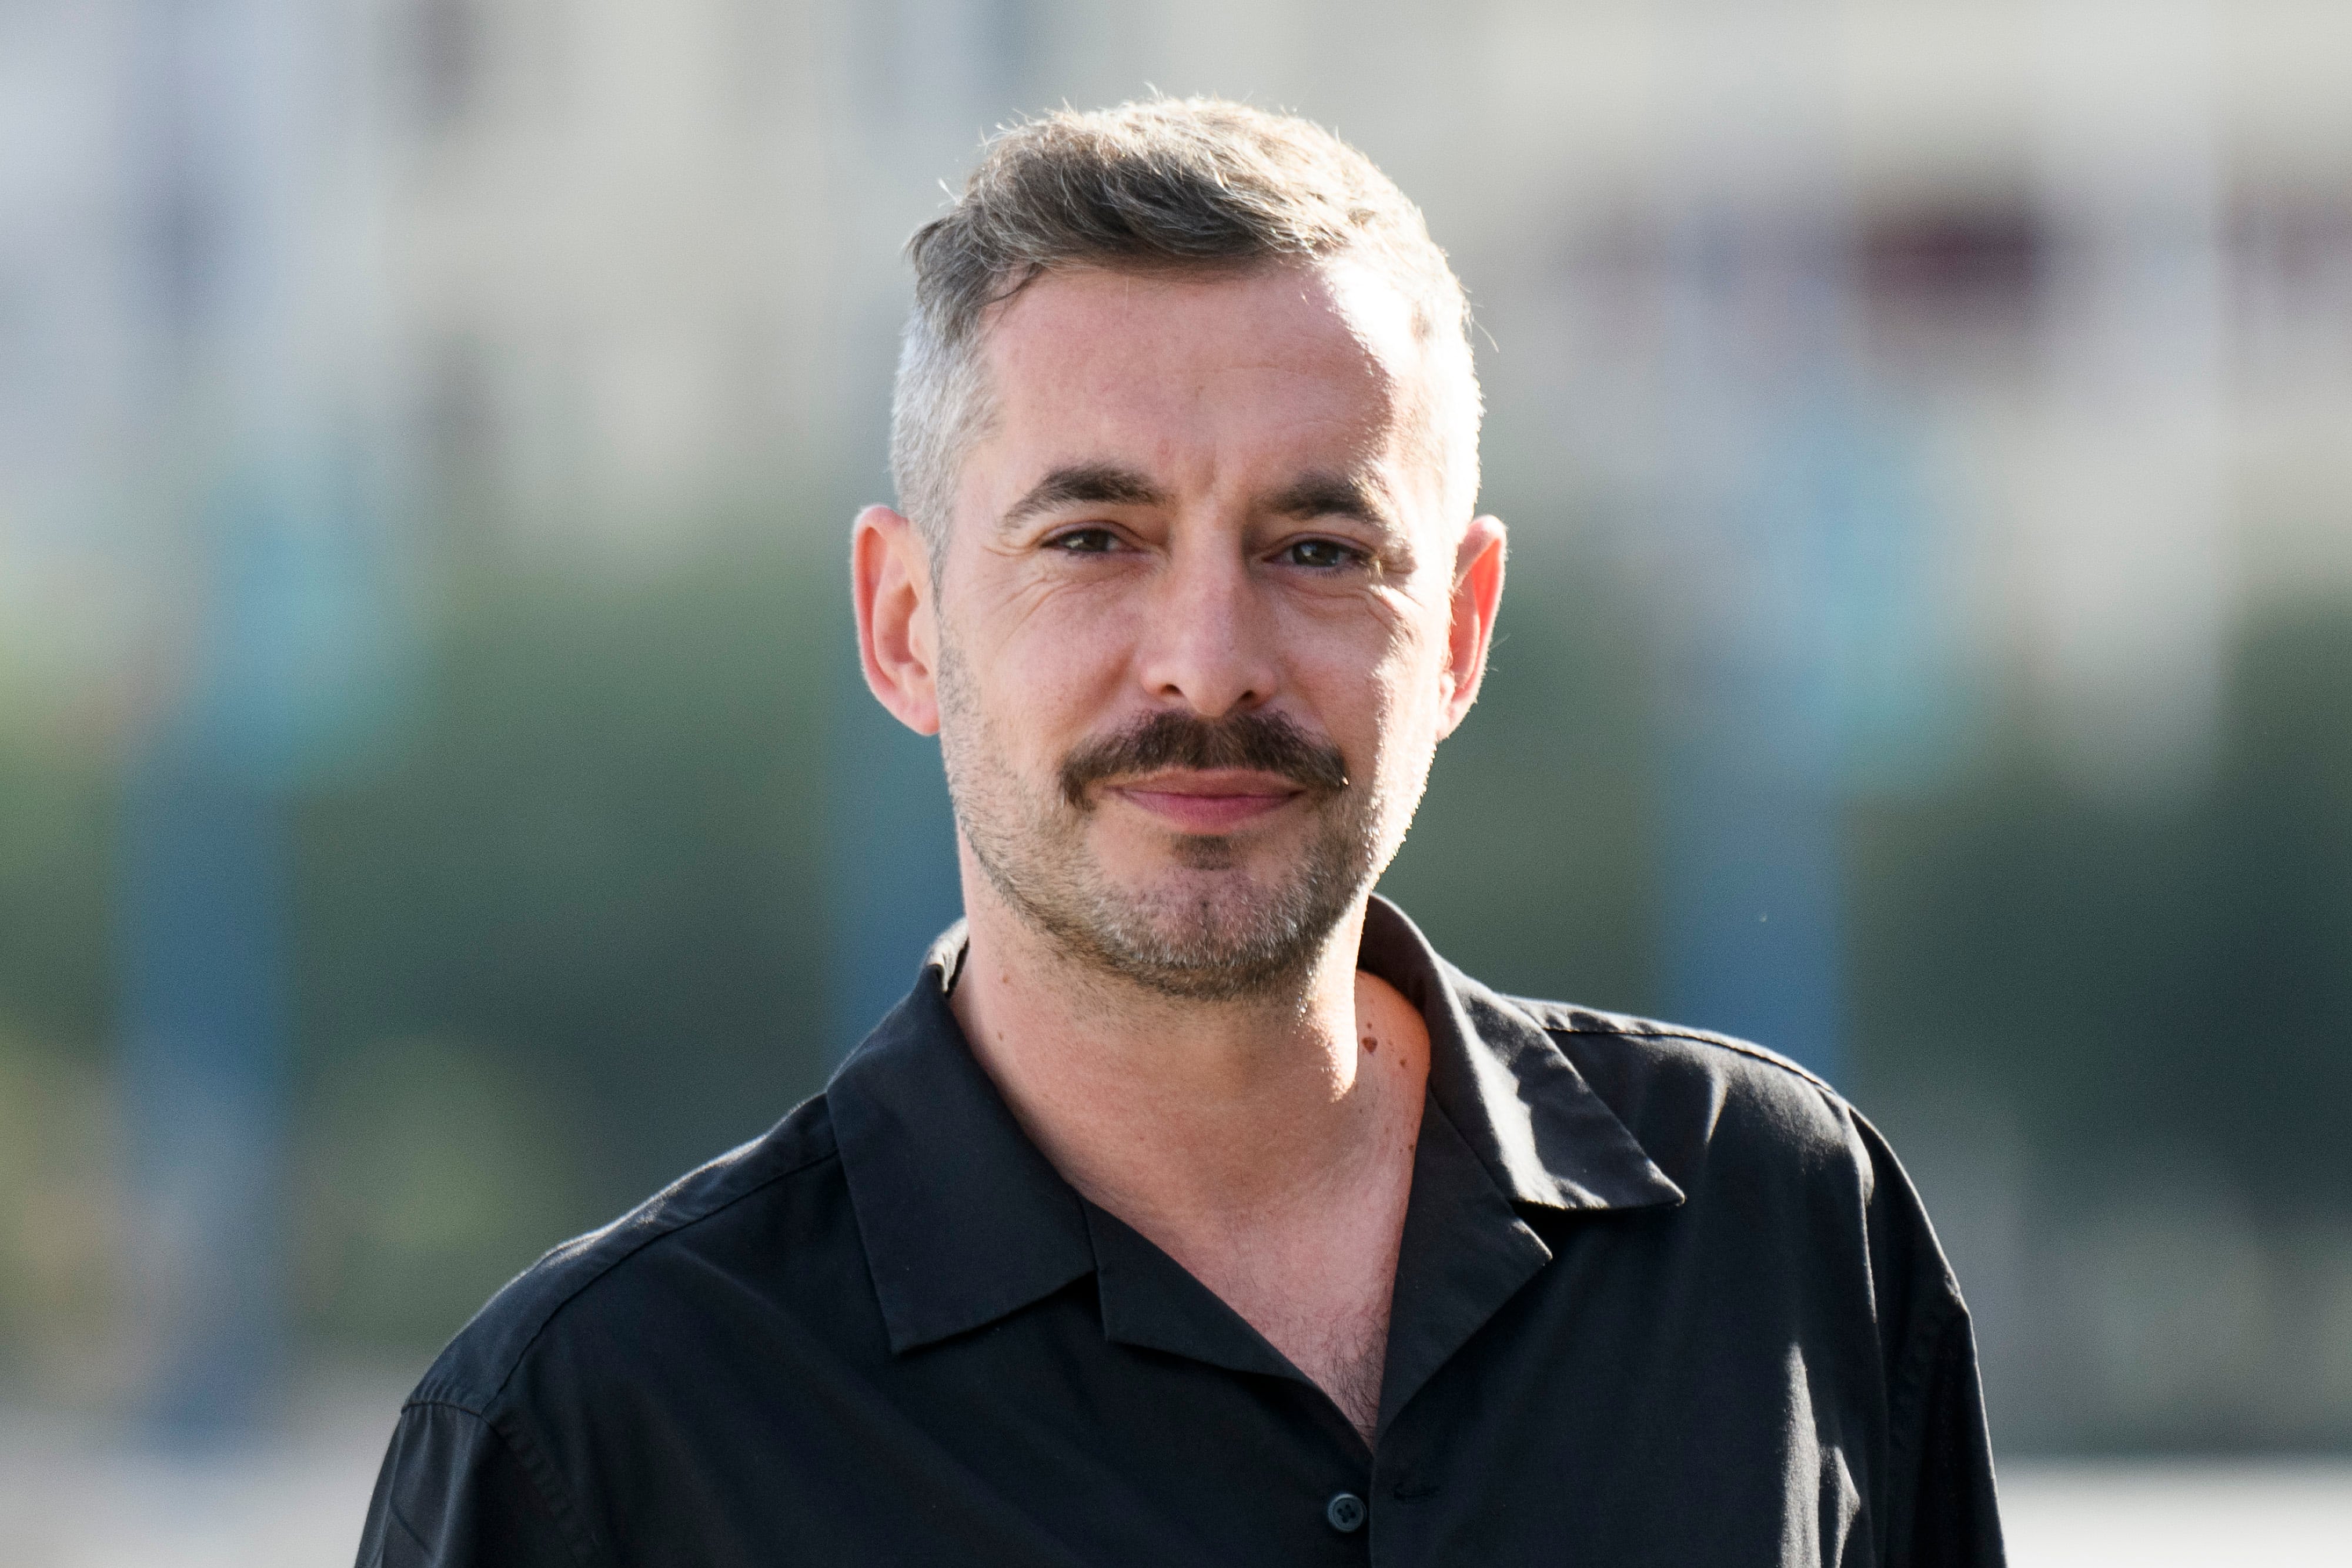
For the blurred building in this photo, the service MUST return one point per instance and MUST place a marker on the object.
(590, 269)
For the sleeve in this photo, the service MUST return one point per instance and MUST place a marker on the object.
(1941, 1507)
(1955, 1517)
(455, 1493)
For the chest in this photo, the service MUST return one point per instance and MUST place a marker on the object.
(1318, 1285)
(1598, 1417)
(1330, 1323)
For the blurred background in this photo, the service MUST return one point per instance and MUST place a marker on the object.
(438, 803)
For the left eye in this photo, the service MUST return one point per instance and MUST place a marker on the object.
(1321, 555)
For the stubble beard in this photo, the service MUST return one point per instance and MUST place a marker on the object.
(1211, 930)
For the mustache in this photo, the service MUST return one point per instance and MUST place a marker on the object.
(1259, 742)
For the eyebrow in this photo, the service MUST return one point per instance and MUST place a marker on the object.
(1334, 494)
(1084, 485)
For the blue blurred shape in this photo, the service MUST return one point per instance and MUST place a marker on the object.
(286, 673)
(204, 1051)
(1808, 663)
(1759, 388)
(1750, 901)
(280, 666)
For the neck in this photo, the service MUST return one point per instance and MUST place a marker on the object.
(1175, 1112)
(1265, 1144)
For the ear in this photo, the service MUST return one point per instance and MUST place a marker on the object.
(897, 631)
(1477, 595)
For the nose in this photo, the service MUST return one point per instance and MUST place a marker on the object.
(1208, 640)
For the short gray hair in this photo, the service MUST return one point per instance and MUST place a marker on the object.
(1189, 184)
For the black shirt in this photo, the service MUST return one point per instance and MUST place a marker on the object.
(1663, 1298)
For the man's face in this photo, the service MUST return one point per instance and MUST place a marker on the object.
(1196, 614)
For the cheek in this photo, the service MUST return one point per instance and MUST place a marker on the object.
(1411, 711)
(1041, 662)
(1072, 644)
(1375, 680)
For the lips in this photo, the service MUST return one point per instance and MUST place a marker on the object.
(1208, 802)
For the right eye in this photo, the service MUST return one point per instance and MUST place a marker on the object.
(1084, 541)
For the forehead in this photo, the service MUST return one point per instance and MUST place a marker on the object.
(1277, 364)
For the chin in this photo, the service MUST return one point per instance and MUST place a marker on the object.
(1210, 934)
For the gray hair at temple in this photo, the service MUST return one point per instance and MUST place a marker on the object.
(1165, 185)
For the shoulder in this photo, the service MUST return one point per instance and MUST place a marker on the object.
(1695, 1098)
(1647, 1053)
(606, 1271)
(1757, 1138)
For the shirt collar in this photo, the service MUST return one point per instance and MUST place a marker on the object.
(1542, 1133)
(964, 1221)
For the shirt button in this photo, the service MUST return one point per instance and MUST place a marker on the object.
(1345, 1512)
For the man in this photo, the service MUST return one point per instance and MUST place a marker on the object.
(1189, 1208)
